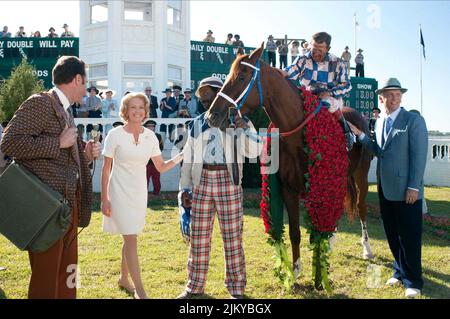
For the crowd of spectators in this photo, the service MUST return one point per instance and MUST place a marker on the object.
(37, 34)
(229, 40)
(176, 103)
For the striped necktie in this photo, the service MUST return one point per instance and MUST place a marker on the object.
(387, 125)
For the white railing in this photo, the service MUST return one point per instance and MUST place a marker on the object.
(437, 171)
(438, 149)
(169, 180)
(107, 123)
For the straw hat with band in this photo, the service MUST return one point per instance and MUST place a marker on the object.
(391, 84)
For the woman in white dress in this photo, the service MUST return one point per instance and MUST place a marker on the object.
(124, 185)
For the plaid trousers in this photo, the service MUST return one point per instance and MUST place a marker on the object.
(216, 192)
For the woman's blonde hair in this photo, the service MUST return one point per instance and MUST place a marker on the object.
(126, 101)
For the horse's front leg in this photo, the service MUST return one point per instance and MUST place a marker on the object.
(363, 187)
(291, 200)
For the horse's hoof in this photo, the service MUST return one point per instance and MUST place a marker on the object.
(332, 241)
(367, 252)
(367, 256)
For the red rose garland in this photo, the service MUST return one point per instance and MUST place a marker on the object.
(326, 187)
(265, 193)
(326, 184)
(265, 203)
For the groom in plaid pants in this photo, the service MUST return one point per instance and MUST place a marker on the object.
(208, 170)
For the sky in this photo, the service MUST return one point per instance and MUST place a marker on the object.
(388, 32)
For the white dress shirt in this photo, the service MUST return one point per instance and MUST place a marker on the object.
(393, 116)
(64, 100)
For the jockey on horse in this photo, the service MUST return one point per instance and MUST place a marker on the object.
(325, 75)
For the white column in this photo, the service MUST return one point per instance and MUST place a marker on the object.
(85, 17)
(160, 66)
(114, 47)
(186, 23)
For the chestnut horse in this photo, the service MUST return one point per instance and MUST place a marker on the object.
(283, 104)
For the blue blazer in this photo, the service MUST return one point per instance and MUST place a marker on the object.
(402, 159)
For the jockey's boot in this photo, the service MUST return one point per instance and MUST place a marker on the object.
(349, 136)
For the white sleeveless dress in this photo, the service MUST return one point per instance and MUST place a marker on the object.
(128, 181)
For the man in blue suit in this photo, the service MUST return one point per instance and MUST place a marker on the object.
(401, 145)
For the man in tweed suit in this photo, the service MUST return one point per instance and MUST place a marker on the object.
(208, 171)
(43, 138)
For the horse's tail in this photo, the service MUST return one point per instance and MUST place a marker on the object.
(351, 198)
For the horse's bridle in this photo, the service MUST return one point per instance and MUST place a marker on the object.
(239, 102)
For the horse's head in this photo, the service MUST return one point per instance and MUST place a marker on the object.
(233, 91)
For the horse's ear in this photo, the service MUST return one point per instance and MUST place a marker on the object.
(240, 51)
(258, 52)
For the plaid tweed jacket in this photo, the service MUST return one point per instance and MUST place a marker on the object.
(32, 139)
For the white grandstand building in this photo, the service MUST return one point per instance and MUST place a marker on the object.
(132, 44)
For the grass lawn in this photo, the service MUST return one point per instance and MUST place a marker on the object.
(163, 257)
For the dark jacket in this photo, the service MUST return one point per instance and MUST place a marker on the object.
(153, 106)
(170, 102)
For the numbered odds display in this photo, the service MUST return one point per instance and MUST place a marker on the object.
(40, 52)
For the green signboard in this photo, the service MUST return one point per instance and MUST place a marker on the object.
(362, 96)
(40, 52)
(211, 59)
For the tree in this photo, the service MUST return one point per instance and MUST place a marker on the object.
(22, 83)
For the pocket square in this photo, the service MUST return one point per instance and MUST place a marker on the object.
(398, 131)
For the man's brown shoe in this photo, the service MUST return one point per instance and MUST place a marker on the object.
(237, 297)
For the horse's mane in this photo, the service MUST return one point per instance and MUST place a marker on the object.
(351, 114)
(292, 86)
(235, 67)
